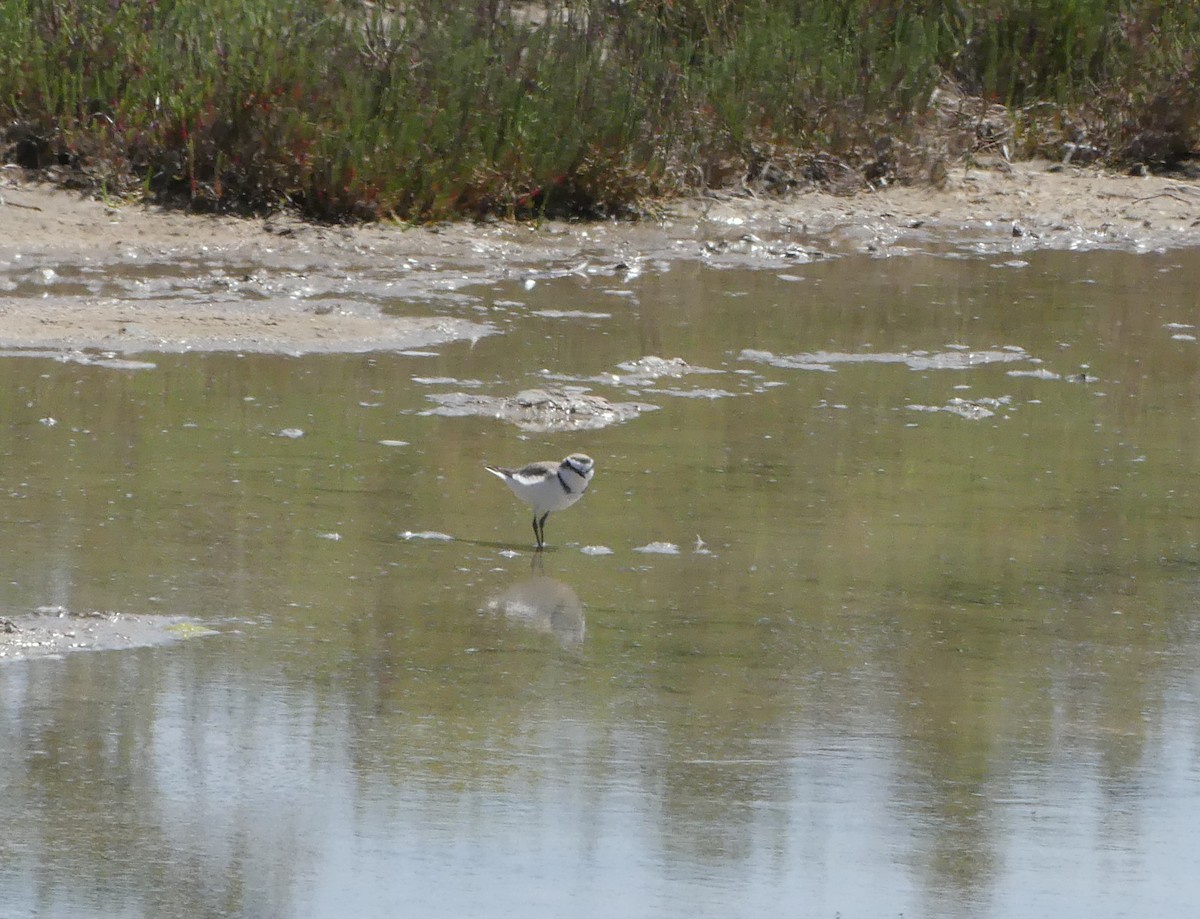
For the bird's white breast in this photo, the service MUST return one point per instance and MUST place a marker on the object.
(545, 492)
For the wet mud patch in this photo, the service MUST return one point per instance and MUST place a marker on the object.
(166, 326)
(53, 632)
(77, 274)
(108, 359)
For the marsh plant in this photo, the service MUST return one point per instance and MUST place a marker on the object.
(428, 109)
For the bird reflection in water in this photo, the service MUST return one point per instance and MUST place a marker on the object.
(544, 604)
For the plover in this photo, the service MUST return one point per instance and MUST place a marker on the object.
(548, 486)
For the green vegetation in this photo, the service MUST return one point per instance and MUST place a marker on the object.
(436, 109)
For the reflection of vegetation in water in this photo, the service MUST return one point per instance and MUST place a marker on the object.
(432, 109)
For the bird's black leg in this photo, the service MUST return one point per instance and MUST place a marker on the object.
(537, 534)
(542, 527)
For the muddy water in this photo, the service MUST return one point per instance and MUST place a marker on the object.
(894, 612)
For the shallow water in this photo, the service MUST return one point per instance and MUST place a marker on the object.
(915, 630)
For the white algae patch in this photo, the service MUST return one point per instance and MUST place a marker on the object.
(950, 359)
(1040, 374)
(570, 314)
(659, 548)
(646, 369)
(542, 410)
(972, 410)
(636, 374)
(693, 393)
(446, 381)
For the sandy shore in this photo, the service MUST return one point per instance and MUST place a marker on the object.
(47, 232)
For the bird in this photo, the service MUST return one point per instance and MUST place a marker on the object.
(548, 486)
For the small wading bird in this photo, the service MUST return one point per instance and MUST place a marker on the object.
(548, 487)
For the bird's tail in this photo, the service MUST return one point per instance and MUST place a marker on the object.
(496, 471)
